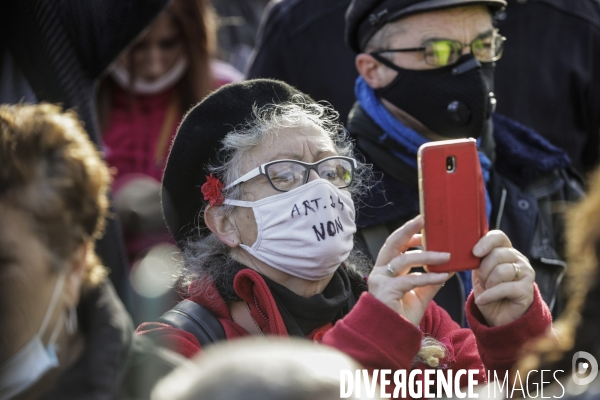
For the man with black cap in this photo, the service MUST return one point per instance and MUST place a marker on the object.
(427, 73)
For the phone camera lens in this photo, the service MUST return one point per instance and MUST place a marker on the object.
(450, 163)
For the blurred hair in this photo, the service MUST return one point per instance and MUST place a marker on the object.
(577, 328)
(259, 369)
(197, 22)
(50, 170)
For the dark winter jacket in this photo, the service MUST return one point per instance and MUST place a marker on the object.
(62, 47)
(549, 74)
(371, 332)
(530, 186)
(301, 42)
(114, 364)
(107, 329)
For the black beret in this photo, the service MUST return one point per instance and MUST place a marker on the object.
(198, 143)
(365, 17)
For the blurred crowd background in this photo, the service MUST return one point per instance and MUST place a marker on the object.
(131, 69)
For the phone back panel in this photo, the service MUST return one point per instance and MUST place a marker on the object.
(452, 201)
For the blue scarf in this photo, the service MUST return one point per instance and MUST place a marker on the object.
(411, 141)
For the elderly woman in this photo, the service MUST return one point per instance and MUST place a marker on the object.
(258, 194)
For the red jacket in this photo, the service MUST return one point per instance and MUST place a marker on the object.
(372, 333)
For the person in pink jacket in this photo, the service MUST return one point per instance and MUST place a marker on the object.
(257, 193)
(142, 100)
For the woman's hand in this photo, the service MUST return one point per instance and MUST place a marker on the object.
(407, 294)
(503, 284)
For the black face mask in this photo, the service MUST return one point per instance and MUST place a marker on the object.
(455, 101)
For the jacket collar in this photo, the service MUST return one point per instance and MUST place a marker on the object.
(367, 133)
(251, 288)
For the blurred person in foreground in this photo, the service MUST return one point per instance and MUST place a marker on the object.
(258, 193)
(260, 369)
(65, 333)
(427, 74)
(578, 327)
(56, 52)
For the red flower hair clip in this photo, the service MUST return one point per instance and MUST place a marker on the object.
(212, 191)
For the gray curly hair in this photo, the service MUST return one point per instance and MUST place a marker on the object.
(204, 255)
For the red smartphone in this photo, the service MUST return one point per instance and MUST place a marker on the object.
(452, 201)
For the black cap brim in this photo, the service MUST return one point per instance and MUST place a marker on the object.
(441, 4)
(363, 22)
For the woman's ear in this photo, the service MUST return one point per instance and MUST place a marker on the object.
(222, 226)
(369, 68)
(74, 278)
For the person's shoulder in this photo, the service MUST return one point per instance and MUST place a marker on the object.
(224, 73)
(174, 339)
(520, 148)
(570, 6)
(360, 123)
(147, 364)
(583, 10)
(106, 315)
(566, 389)
(279, 13)
(299, 15)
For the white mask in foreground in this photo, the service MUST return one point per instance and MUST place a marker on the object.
(32, 362)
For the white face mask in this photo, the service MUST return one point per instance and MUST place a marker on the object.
(144, 87)
(33, 361)
(306, 232)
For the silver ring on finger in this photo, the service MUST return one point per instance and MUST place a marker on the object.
(390, 270)
(517, 272)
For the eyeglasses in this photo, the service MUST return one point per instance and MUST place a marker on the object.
(285, 175)
(441, 52)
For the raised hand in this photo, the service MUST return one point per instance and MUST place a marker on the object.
(503, 284)
(390, 281)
